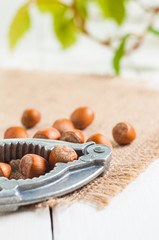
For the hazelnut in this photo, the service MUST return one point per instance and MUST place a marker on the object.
(48, 133)
(82, 117)
(32, 165)
(63, 125)
(98, 138)
(30, 118)
(124, 133)
(75, 136)
(16, 132)
(62, 153)
(5, 170)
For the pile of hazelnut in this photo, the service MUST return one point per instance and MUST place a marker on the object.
(32, 165)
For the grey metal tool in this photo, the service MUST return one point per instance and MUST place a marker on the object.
(93, 160)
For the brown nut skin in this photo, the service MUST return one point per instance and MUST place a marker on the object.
(62, 153)
(63, 125)
(32, 165)
(15, 132)
(30, 118)
(82, 117)
(48, 133)
(74, 136)
(5, 170)
(99, 138)
(124, 133)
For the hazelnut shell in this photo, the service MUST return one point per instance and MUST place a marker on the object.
(32, 165)
(82, 117)
(62, 153)
(5, 170)
(15, 132)
(63, 125)
(30, 118)
(99, 138)
(75, 136)
(124, 133)
(48, 133)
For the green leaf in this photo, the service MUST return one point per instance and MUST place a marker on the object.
(119, 54)
(48, 6)
(19, 26)
(64, 27)
(114, 9)
(63, 22)
(153, 30)
(81, 6)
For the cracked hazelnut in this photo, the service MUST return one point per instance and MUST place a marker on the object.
(30, 118)
(82, 117)
(32, 165)
(48, 133)
(75, 136)
(63, 125)
(16, 132)
(99, 138)
(5, 170)
(124, 133)
(62, 153)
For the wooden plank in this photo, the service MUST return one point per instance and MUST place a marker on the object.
(133, 214)
(30, 224)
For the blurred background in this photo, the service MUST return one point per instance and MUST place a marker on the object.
(94, 51)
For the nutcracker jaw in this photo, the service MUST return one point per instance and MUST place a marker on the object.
(94, 160)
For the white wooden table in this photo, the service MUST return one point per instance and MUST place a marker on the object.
(133, 214)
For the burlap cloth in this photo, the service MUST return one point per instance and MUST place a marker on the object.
(113, 100)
